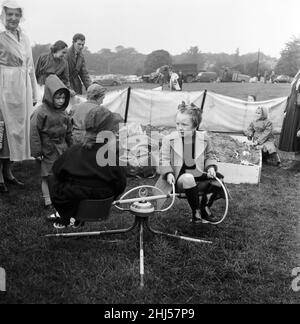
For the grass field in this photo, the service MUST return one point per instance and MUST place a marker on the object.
(251, 260)
(237, 90)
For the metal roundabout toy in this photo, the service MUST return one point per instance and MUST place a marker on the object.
(142, 208)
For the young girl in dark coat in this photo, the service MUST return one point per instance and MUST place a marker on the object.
(50, 131)
(80, 175)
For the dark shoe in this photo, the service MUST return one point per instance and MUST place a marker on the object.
(76, 224)
(196, 217)
(59, 226)
(3, 188)
(15, 182)
(207, 215)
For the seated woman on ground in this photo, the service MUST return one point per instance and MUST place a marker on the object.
(80, 175)
(188, 162)
(260, 132)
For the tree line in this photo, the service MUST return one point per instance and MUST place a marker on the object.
(128, 61)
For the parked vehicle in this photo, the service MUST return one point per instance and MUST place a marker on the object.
(234, 76)
(189, 71)
(239, 77)
(283, 79)
(122, 78)
(109, 80)
(133, 79)
(207, 77)
(151, 78)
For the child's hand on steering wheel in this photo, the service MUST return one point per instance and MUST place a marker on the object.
(211, 173)
(171, 179)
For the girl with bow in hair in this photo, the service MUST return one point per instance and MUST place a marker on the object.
(187, 160)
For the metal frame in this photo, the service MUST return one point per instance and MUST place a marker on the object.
(141, 222)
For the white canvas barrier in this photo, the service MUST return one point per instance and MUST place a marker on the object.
(151, 107)
(221, 113)
(226, 114)
(116, 101)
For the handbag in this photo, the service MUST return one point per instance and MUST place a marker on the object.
(1, 134)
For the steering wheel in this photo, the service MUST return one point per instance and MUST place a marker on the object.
(143, 193)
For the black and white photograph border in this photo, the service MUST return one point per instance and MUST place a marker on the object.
(149, 154)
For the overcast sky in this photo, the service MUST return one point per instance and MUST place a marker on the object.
(174, 25)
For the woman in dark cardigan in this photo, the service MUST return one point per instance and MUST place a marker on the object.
(53, 63)
(80, 174)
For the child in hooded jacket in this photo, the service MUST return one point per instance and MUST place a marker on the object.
(260, 132)
(51, 131)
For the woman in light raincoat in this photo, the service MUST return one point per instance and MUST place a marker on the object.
(17, 92)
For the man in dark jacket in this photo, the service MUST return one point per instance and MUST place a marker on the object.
(77, 66)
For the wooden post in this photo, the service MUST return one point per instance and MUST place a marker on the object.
(127, 104)
(203, 101)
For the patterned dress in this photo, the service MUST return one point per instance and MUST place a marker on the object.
(262, 132)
